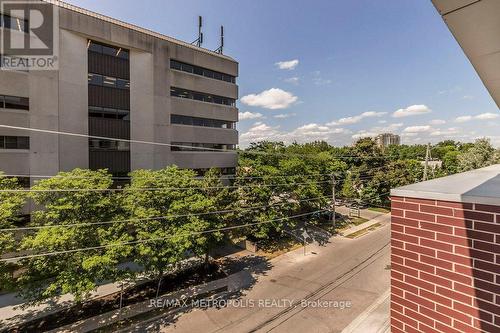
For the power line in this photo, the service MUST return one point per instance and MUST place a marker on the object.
(153, 239)
(251, 152)
(224, 177)
(166, 188)
(132, 189)
(46, 226)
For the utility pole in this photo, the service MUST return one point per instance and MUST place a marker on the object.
(427, 153)
(333, 200)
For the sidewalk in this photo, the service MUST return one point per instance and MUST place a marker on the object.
(375, 319)
(381, 218)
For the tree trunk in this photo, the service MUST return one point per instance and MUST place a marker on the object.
(159, 284)
(207, 258)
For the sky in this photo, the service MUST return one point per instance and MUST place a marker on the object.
(333, 70)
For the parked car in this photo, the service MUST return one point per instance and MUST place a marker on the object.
(327, 215)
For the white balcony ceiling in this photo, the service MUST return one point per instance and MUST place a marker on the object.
(476, 26)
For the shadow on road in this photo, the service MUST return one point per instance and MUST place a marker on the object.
(253, 264)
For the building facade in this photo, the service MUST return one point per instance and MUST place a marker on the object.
(445, 254)
(116, 80)
(387, 139)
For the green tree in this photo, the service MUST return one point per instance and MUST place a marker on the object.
(219, 198)
(479, 155)
(257, 188)
(10, 208)
(78, 197)
(348, 190)
(165, 207)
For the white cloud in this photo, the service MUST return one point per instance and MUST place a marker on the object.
(249, 115)
(445, 132)
(468, 97)
(305, 133)
(486, 116)
(412, 110)
(288, 65)
(374, 131)
(382, 121)
(284, 115)
(293, 80)
(482, 116)
(463, 119)
(321, 82)
(259, 132)
(417, 129)
(273, 99)
(364, 134)
(356, 119)
(393, 126)
(437, 122)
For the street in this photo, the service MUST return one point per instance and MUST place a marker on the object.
(304, 293)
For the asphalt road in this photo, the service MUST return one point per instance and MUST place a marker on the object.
(301, 293)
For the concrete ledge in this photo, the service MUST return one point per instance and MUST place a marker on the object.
(476, 186)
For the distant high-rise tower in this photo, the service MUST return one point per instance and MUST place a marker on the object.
(387, 139)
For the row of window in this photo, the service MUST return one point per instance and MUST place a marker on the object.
(14, 142)
(13, 23)
(108, 81)
(99, 112)
(182, 66)
(107, 50)
(108, 145)
(199, 96)
(14, 102)
(204, 147)
(204, 122)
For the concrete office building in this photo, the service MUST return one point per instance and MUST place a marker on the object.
(387, 139)
(121, 81)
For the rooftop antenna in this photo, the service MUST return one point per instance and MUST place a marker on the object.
(221, 47)
(199, 40)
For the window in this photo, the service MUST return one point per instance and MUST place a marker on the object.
(108, 81)
(14, 142)
(201, 147)
(203, 97)
(99, 112)
(181, 66)
(108, 145)
(108, 50)
(14, 102)
(205, 122)
(14, 23)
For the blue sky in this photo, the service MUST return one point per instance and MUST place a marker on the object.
(348, 68)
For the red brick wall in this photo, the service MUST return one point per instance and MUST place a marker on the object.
(445, 266)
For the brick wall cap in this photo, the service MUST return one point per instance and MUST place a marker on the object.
(476, 186)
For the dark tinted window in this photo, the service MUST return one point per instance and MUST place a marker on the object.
(14, 142)
(96, 144)
(197, 121)
(201, 147)
(181, 66)
(183, 93)
(110, 50)
(108, 81)
(14, 102)
(100, 112)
